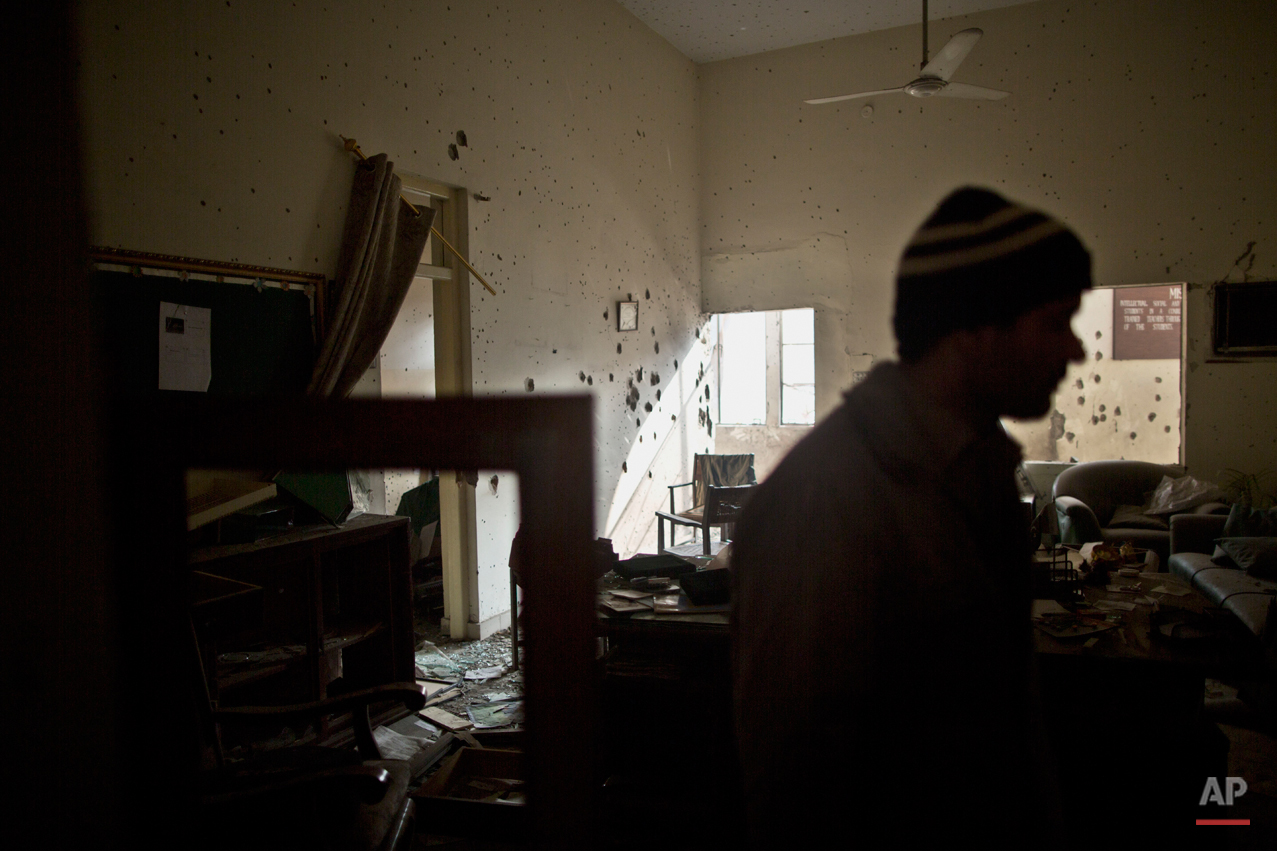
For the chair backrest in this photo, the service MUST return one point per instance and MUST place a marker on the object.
(724, 504)
(1104, 485)
(720, 471)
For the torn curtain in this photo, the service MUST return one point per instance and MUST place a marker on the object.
(380, 249)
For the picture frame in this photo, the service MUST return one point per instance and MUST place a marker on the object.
(627, 316)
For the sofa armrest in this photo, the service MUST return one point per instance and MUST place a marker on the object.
(1078, 523)
(1196, 533)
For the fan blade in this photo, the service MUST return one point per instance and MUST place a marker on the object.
(952, 54)
(857, 95)
(965, 90)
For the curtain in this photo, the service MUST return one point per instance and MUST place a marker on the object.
(381, 246)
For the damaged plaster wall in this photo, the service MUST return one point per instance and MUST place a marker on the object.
(211, 130)
(1148, 127)
(1107, 408)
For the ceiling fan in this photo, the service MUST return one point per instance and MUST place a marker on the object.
(935, 74)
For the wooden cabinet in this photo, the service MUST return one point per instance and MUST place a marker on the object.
(334, 614)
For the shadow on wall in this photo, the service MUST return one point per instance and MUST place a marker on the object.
(675, 424)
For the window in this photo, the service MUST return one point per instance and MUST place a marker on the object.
(767, 368)
(797, 367)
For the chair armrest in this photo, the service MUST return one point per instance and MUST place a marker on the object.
(681, 521)
(1212, 508)
(1078, 523)
(1196, 533)
(411, 695)
(679, 485)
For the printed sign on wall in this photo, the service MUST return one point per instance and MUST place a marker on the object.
(1147, 322)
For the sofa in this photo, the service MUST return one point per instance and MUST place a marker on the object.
(1102, 501)
(1249, 597)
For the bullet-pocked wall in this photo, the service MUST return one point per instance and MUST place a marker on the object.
(212, 131)
(1146, 126)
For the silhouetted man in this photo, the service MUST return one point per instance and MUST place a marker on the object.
(882, 644)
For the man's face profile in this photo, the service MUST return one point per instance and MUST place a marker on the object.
(1026, 360)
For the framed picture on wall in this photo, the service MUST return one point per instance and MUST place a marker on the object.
(627, 316)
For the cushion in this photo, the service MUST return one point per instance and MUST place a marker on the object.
(1246, 522)
(1175, 495)
(1257, 556)
(1133, 517)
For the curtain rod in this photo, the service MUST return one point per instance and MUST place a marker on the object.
(353, 147)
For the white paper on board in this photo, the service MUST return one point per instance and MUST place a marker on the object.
(185, 351)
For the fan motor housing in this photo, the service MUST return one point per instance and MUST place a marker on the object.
(925, 87)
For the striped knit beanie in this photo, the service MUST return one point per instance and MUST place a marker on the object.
(980, 259)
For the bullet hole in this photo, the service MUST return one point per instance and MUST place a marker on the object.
(1099, 334)
(1081, 400)
(700, 417)
(618, 348)
(1096, 378)
(706, 392)
(1157, 398)
(492, 484)
(649, 474)
(528, 385)
(1132, 435)
(1103, 409)
(461, 138)
(1079, 384)
(1167, 429)
(647, 293)
(656, 378)
(640, 438)
(648, 407)
(639, 374)
(625, 468)
(673, 418)
(1099, 355)
(554, 351)
(653, 330)
(605, 316)
(675, 363)
(1104, 417)
(582, 376)
(709, 425)
(1152, 417)
(638, 424)
(452, 153)
(611, 377)
(1068, 435)
(590, 381)
(658, 395)
(1158, 379)
(1117, 412)
(657, 347)
(632, 397)
(481, 197)
(1094, 419)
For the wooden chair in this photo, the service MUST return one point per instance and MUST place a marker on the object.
(721, 509)
(708, 471)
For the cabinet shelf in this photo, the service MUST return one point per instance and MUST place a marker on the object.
(330, 603)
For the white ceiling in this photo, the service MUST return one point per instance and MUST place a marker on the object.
(709, 30)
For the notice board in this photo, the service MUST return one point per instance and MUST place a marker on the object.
(1147, 322)
(262, 340)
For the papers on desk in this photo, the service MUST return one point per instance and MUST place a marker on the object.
(623, 602)
(1175, 590)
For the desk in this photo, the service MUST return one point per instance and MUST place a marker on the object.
(1126, 716)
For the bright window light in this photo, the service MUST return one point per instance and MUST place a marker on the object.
(742, 369)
